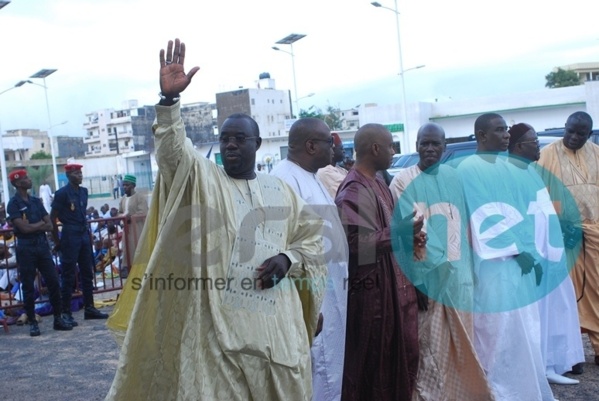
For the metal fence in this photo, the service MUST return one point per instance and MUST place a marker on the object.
(102, 186)
(109, 265)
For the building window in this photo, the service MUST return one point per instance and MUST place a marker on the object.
(42, 145)
(253, 102)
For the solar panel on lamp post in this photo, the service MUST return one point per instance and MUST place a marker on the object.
(290, 40)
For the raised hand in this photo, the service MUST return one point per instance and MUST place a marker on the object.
(173, 79)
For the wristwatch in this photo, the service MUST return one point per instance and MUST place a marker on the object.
(168, 101)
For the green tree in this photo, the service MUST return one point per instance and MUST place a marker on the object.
(312, 112)
(333, 118)
(40, 155)
(39, 175)
(562, 78)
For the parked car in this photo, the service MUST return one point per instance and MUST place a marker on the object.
(454, 154)
(559, 132)
(403, 161)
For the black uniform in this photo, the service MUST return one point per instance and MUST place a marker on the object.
(33, 252)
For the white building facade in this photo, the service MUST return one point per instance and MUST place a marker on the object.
(109, 131)
(543, 109)
(269, 107)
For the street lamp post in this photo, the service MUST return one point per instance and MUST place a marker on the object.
(5, 193)
(401, 70)
(2, 155)
(290, 40)
(54, 169)
(43, 74)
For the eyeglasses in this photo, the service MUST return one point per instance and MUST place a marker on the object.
(533, 141)
(328, 140)
(239, 139)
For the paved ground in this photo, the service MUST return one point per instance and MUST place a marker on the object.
(80, 364)
(58, 365)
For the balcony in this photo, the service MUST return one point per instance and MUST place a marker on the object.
(120, 120)
(122, 135)
(88, 125)
(91, 139)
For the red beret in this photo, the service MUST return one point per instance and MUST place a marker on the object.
(72, 167)
(17, 174)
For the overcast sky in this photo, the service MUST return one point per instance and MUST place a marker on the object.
(106, 51)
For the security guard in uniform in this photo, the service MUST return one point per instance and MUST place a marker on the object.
(31, 221)
(74, 243)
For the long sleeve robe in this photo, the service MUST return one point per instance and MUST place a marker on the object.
(449, 369)
(381, 346)
(507, 328)
(576, 174)
(196, 326)
(561, 342)
(329, 346)
(135, 206)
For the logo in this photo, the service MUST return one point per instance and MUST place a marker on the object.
(500, 234)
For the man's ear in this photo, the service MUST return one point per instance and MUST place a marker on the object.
(258, 143)
(310, 147)
(375, 148)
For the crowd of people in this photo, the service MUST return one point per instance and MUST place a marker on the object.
(318, 279)
(313, 281)
(88, 242)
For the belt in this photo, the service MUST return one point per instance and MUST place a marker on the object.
(32, 241)
(75, 228)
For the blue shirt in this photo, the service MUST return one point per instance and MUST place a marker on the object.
(71, 205)
(31, 211)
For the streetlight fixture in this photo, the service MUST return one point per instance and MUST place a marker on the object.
(290, 40)
(307, 96)
(43, 74)
(18, 84)
(401, 70)
(412, 68)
